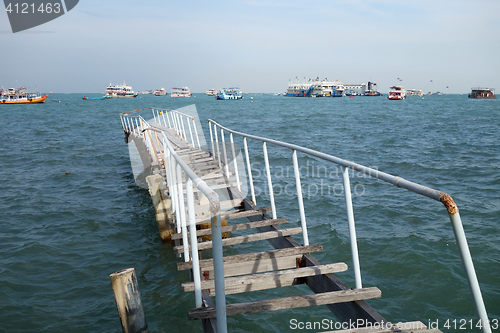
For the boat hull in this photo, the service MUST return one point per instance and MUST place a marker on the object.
(490, 97)
(228, 97)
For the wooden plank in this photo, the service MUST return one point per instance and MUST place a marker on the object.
(288, 303)
(204, 168)
(215, 187)
(236, 214)
(224, 205)
(269, 280)
(207, 263)
(319, 284)
(200, 159)
(235, 227)
(245, 239)
(195, 152)
(256, 266)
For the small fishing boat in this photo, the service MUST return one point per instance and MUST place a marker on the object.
(482, 93)
(229, 93)
(397, 93)
(86, 98)
(20, 96)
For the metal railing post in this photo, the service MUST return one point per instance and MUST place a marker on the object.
(176, 122)
(211, 138)
(220, 295)
(123, 124)
(352, 227)
(128, 123)
(217, 142)
(194, 242)
(249, 167)
(269, 182)
(175, 203)
(225, 152)
(182, 214)
(235, 162)
(196, 133)
(190, 133)
(463, 247)
(183, 129)
(168, 119)
(137, 126)
(296, 172)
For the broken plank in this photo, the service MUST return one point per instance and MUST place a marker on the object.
(269, 280)
(289, 302)
(235, 227)
(256, 266)
(291, 251)
(246, 239)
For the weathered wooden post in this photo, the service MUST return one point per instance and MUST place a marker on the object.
(162, 205)
(128, 301)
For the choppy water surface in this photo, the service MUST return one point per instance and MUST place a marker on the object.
(71, 213)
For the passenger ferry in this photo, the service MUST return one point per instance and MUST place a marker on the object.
(414, 92)
(160, 92)
(180, 92)
(298, 90)
(371, 89)
(20, 96)
(120, 91)
(229, 93)
(316, 88)
(327, 88)
(211, 92)
(482, 93)
(397, 93)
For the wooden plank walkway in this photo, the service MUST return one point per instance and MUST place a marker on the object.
(288, 264)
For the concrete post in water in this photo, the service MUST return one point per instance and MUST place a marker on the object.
(128, 301)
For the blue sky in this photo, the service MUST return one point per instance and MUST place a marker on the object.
(258, 45)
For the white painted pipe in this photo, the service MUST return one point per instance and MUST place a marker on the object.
(296, 171)
(182, 210)
(194, 243)
(352, 228)
(269, 182)
(249, 167)
(235, 162)
(463, 247)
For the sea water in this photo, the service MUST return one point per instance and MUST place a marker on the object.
(71, 213)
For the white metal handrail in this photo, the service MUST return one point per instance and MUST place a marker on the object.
(177, 123)
(169, 118)
(444, 198)
(174, 166)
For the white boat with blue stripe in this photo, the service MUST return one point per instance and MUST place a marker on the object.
(229, 93)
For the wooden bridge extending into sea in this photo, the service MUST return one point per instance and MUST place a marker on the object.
(197, 194)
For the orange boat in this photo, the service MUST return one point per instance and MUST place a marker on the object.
(20, 96)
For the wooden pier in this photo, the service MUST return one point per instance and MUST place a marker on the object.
(287, 262)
